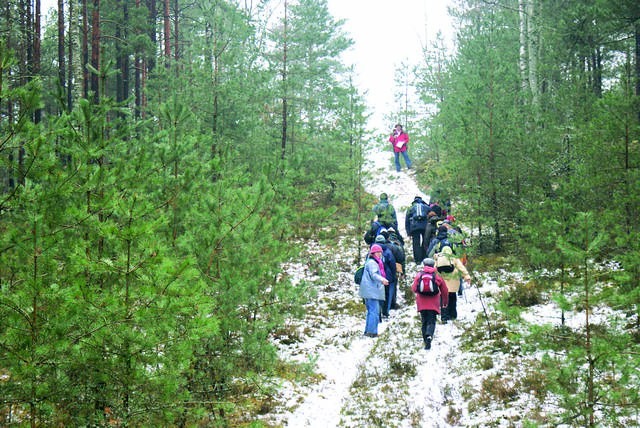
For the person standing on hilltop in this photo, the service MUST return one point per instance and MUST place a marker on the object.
(400, 142)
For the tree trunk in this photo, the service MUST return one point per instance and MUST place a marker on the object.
(596, 64)
(122, 58)
(62, 75)
(151, 60)
(523, 44)
(85, 49)
(37, 114)
(588, 345)
(532, 48)
(119, 55)
(95, 50)
(283, 144)
(69, 76)
(637, 70)
(176, 45)
(167, 33)
(138, 79)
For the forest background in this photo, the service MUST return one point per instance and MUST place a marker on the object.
(159, 160)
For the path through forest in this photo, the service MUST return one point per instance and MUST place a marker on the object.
(388, 381)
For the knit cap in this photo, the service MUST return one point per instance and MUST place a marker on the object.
(375, 248)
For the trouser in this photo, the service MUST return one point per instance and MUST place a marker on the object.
(389, 297)
(451, 311)
(419, 253)
(394, 299)
(373, 315)
(407, 161)
(428, 318)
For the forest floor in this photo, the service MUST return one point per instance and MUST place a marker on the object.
(391, 381)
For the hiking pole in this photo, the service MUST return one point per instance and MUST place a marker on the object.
(484, 308)
(465, 294)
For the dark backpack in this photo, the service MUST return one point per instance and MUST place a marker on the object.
(373, 231)
(359, 273)
(437, 245)
(420, 212)
(357, 276)
(427, 284)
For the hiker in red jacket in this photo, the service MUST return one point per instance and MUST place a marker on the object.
(429, 306)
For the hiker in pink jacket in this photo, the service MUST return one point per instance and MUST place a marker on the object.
(400, 142)
(429, 306)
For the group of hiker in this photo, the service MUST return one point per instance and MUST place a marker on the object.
(438, 246)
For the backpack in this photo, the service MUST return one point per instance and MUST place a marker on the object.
(427, 285)
(437, 245)
(357, 276)
(444, 262)
(420, 212)
(385, 215)
(373, 231)
(359, 273)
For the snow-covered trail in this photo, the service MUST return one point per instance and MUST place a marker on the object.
(389, 381)
(401, 187)
(340, 365)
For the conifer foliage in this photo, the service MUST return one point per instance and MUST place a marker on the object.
(143, 225)
(541, 121)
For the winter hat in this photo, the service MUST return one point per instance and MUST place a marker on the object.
(451, 218)
(383, 196)
(375, 248)
(429, 262)
(381, 239)
(443, 228)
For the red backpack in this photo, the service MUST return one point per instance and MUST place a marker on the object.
(427, 284)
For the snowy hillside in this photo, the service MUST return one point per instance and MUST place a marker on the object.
(391, 381)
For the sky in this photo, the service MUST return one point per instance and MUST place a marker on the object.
(387, 34)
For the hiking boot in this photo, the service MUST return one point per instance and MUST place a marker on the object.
(427, 343)
(371, 334)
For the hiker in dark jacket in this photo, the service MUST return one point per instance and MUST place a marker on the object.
(436, 208)
(394, 236)
(415, 223)
(429, 306)
(430, 230)
(396, 244)
(374, 230)
(441, 240)
(390, 269)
